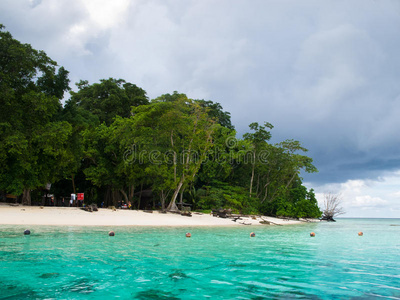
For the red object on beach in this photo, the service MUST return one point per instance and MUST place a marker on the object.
(81, 196)
(312, 234)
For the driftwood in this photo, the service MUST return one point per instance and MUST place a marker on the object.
(90, 208)
(234, 219)
(269, 222)
(265, 222)
(186, 211)
(244, 223)
(222, 213)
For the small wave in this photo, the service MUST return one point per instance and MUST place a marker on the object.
(378, 285)
(221, 282)
(382, 296)
(373, 274)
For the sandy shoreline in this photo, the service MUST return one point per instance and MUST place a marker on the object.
(34, 215)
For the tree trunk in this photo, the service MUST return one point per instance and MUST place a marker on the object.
(131, 193)
(73, 183)
(26, 197)
(172, 145)
(107, 197)
(172, 205)
(140, 195)
(266, 192)
(258, 184)
(115, 197)
(291, 179)
(125, 195)
(162, 201)
(252, 172)
(181, 197)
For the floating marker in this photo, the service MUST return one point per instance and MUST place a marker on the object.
(312, 234)
(27, 232)
(188, 234)
(252, 234)
(360, 233)
(111, 233)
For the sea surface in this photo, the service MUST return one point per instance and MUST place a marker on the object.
(280, 262)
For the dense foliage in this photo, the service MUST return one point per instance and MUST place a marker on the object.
(110, 142)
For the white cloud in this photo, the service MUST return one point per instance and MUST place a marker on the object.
(367, 202)
(395, 194)
(366, 198)
(105, 14)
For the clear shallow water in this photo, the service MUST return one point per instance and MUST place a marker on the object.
(217, 263)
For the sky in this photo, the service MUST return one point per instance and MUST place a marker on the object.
(326, 73)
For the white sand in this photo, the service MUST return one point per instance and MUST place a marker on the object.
(33, 215)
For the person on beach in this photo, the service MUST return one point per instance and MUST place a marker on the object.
(73, 196)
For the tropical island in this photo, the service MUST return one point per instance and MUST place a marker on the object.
(110, 142)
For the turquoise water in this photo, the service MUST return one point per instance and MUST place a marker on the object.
(216, 263)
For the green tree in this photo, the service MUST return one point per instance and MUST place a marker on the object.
(109, 98)
(97, 145)
(258, 140)
(173, 134)
(214, 110)
(81, 120)
(32, 139)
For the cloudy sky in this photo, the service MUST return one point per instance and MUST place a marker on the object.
(326, 73)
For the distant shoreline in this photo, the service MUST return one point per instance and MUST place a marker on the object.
(72, 216)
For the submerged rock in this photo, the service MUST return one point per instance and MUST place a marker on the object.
(49, 275)
(177, 275)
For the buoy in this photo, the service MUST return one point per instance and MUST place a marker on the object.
(312, 234)
(360, 233)
(188, 234)
(111, 233)
(27, 232)
(252, 234)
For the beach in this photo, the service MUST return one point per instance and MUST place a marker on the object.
(73, 216)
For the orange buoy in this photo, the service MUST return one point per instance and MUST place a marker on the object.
(188, 234)
(252, 234)
(360, 233)
(312, 234)
(111, 233)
